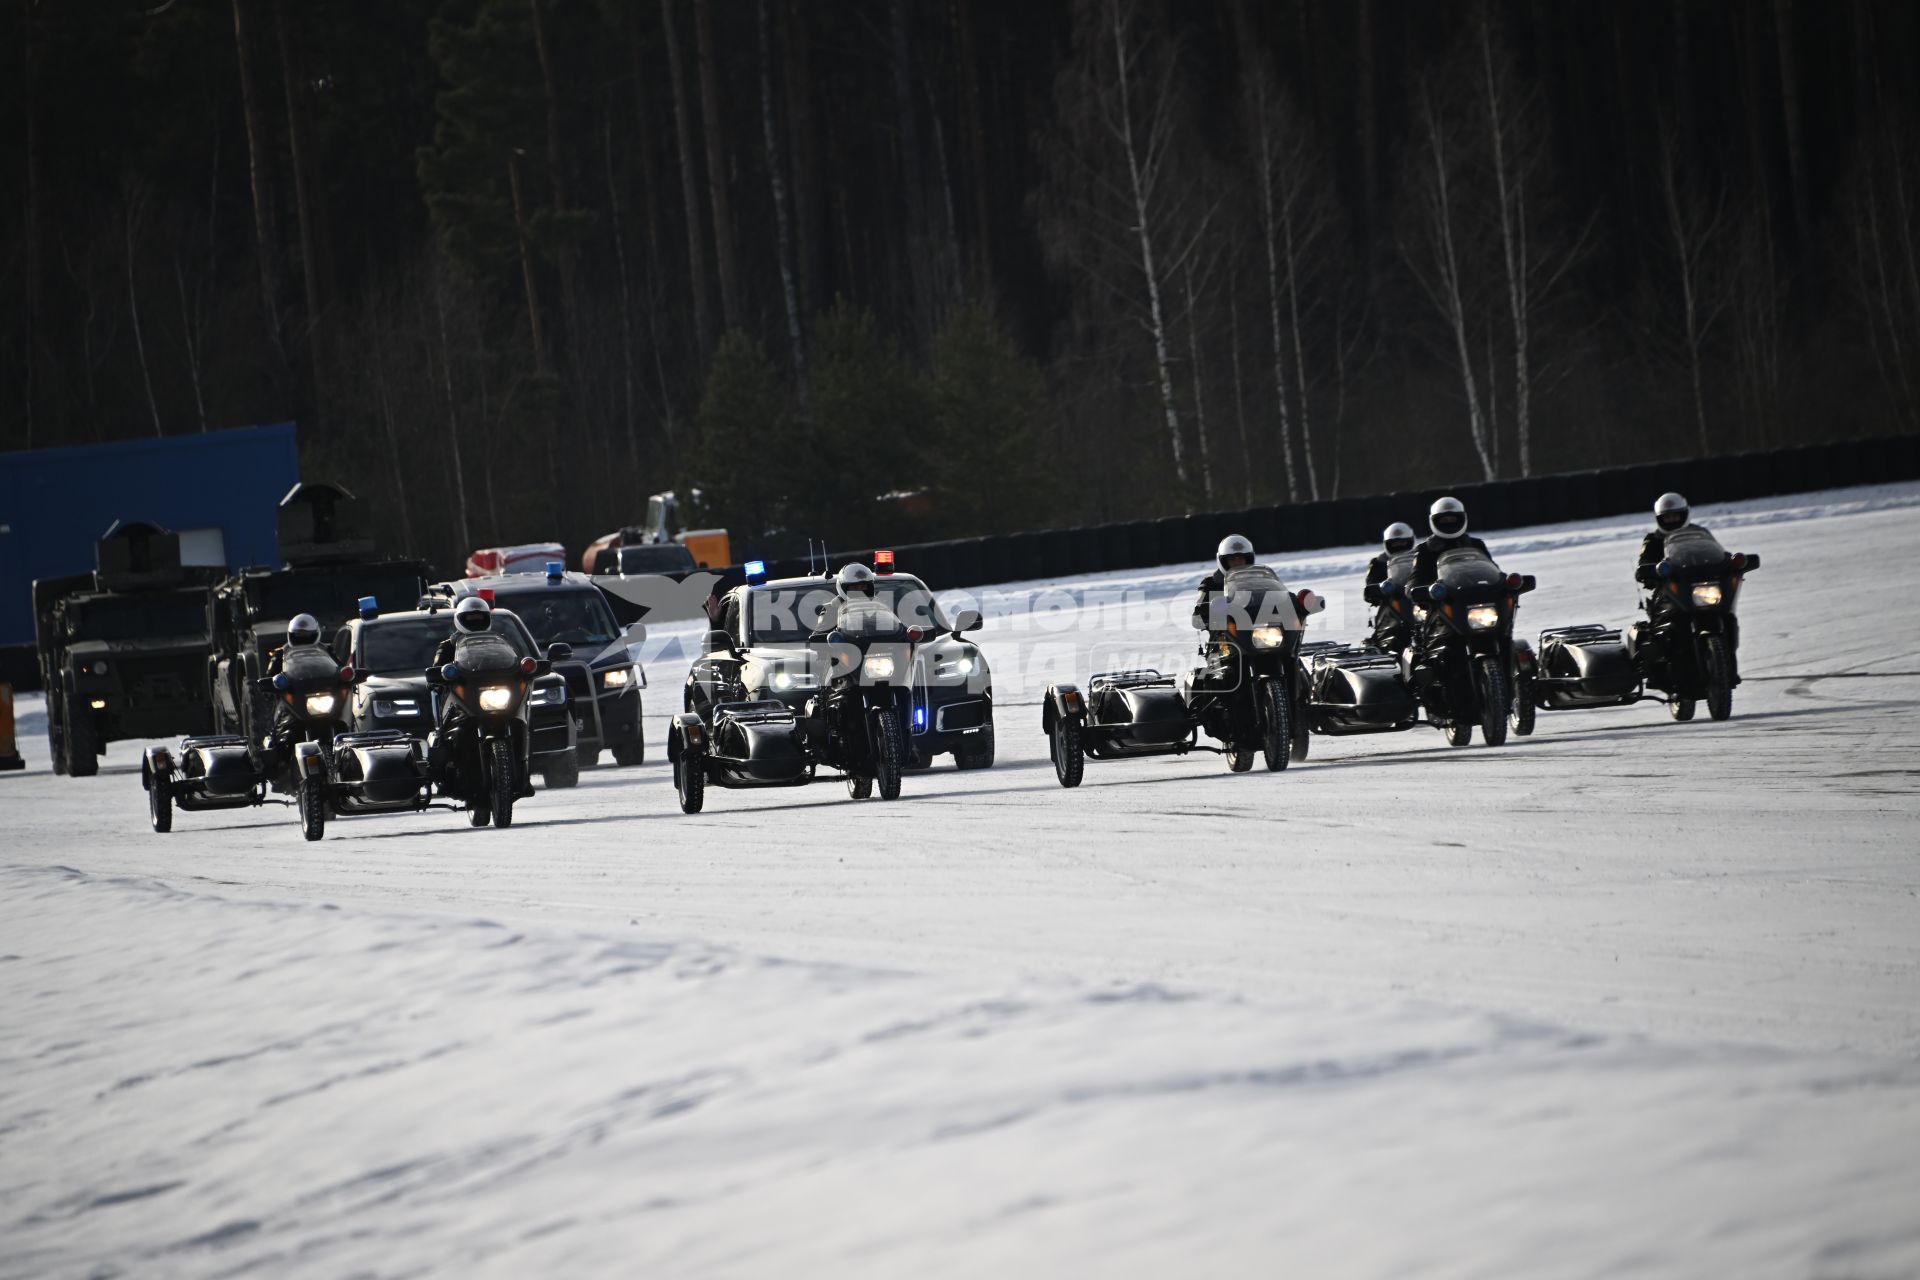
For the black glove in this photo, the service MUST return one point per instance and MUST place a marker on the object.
(1647, 576)
(1372, 593)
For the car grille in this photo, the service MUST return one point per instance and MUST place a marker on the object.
(579, 681)
(958, 716)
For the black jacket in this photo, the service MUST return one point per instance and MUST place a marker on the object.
(1653, 548)
(1203, 597)
(1426, 566)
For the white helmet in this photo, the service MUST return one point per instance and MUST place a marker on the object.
(304, 629)
(1233, 545)
(1670, 511)
(472, 615)
(1397, 532)
(1447, 518)
(852, 578)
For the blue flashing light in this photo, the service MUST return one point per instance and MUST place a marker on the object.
(369, 607)
(919, 717)
(556, 570)
(756, 570)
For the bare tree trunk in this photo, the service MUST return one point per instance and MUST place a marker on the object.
(1239, 393)
(135, 204)
(1299, 353)
(784, 231)
(1447, 284)
(557, 183)
(189, 334)
(304, 199)
(398, 473)
(1368, 128)
(526, 268)
(1791, 110)
(266, 232)
(719, 176)
(627, 380)
(30, 57)
(453, 420)
(1275, 330)
(806, 184)
(689, 184)
(1199, 396)
(912, 178)
(1137, 188)
(1691, 241)
(1510, 189)
(970, 73)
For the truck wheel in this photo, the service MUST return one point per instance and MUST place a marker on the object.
(56, 741)
(77, 743)
(690, 779)
(160, 803)
(1276, 726)
(561, 772)
(311, 801)
(976, 751)
(889, 754)
(1719, 678)
(500, 780)
(633, 753)
(1681, 709)
(1069, 758)
(1496, 700)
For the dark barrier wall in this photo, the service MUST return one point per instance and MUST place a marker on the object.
(1583, 495)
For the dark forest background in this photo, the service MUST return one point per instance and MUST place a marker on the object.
(865, 269)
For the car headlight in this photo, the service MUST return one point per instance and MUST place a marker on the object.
(1707, 594)
(387, 707)
(550, 695)
(785, 678)
(1483, 617)
(878, 666)
(1269, 637)
(497, 697)
(321, 704)
(617, 678)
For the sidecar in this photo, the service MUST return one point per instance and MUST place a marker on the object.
(1355, 689)
(1578, 667)
(213, 771)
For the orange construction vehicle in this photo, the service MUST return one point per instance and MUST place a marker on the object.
(710, 548)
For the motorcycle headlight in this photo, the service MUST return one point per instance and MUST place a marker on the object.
(551, 695)
(1707, 594)
(618, 678)
(1483, 617)
(878, 666)
(498, 697)
(321, 704)
(1269, 637)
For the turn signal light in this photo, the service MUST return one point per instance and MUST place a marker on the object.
(1513, 582)
(346, 674)
(1739, 561)
(527, 666)
(916, 634)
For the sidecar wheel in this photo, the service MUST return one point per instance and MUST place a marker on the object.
(1069, 756)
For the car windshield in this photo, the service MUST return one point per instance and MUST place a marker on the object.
(404, 646)
(136, 617)
(331, 594)
(564, 615)
(911, 602)
(785, 615)
(665, 557)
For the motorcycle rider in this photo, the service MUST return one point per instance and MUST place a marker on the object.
(1391, 630)
(1448, 520)
(302, 631)
(472, 635)
(1671, 514)
(854, 606)
(1234, 552)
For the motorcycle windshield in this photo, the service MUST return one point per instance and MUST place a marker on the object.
(309, 665)
(484, 654)
(1255, 597)
(1695, 553)
(1468, 575)
(1400, 566)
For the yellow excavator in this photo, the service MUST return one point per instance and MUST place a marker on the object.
(709, 548)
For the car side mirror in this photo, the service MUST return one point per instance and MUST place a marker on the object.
(543, 666)
(635, 633)
(966, 620)
(721, 642)
(1420, 595)
(559, 651)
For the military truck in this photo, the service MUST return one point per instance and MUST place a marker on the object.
(123, 650)
(328, 565)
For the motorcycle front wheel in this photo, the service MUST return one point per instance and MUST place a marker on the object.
(1496, 699)
(1719, 677)
(889, 754)
(500, 780)
(311, 800)
(1276, 725)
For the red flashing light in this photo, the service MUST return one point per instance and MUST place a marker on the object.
(528, 666)
(883, 562)
(486, 593)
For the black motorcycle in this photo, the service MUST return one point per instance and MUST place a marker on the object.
(855, 724)
(307, 698)
(1687, 646)
(480, 752)
(1244, 695)
(1462, 662)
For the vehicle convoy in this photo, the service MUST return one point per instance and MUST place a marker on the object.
(307, 753)
(123, 650)
(390, 653)
(1245, 694)
(327, 569)
(623, 551)
(1689, 645)
(603, 681)
(803, 674)
(480, 753)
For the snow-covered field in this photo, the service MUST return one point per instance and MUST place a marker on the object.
(1626, 998)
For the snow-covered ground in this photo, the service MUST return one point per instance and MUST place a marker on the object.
(1629, 997)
